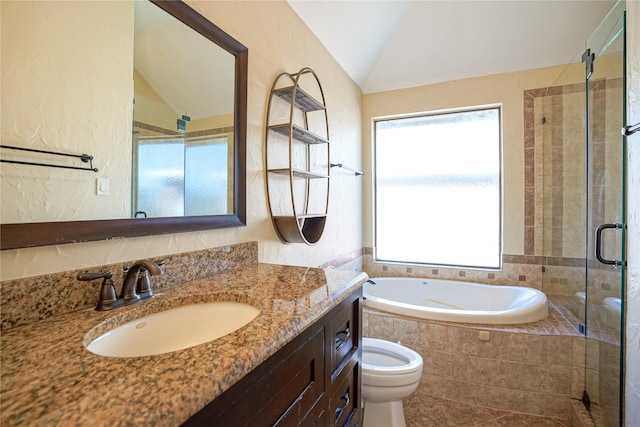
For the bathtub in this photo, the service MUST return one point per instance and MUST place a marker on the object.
(454, 301)
(611, 312)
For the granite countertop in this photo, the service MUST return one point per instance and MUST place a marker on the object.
(50, 378)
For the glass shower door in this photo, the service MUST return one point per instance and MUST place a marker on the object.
(605, 71)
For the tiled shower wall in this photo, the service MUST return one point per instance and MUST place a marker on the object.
(555, 177)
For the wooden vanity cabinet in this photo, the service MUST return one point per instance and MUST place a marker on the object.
(312, 381)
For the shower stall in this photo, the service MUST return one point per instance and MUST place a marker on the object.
(578, 178)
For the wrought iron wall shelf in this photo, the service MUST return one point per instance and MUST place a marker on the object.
(303, 101)
(302, 220)
(298, 173)
(298, 133)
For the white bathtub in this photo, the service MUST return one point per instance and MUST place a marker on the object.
(455, 301)
(611, 312)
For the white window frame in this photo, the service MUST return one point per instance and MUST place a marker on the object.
(375, 120)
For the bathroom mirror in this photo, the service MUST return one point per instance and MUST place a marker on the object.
(208, 98)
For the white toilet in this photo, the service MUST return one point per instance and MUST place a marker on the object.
(390, 372)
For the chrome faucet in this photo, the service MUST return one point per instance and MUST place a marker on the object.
(129, 293)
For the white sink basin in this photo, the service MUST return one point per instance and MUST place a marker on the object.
(174, 329)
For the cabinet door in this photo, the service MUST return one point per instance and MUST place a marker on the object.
(345, 400)
(281, 391)
(343, 334)
(318, 417)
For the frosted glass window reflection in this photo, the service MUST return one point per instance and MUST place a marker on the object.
(437, 189)
(160, 176)
(206, 178)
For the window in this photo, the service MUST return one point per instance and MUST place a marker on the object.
(437, 188)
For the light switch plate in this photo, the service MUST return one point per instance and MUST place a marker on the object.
(102, 186)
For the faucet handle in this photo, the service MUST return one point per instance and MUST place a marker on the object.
(143, 287)
(108, 298)
(92, 276)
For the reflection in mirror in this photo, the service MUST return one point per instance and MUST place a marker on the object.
(200, 112)
(183, 126)
(179, 173)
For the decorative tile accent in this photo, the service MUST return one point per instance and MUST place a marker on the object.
(513, 267)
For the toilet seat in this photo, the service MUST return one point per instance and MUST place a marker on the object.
(390, 372)
(380, 357)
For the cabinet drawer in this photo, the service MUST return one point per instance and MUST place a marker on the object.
(285, 388)
(343, 336)
(345, 400)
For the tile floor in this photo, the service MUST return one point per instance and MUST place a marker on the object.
(428, 411)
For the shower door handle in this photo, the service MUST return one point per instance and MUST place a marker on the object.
(598, 251)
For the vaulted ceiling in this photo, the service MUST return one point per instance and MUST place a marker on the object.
(385, 45)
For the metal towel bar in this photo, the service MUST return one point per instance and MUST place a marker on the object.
(339, 165)
(84, 157)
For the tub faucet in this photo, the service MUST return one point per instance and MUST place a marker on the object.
(129, 294)
(371, 281)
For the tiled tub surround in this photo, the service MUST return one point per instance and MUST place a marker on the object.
(534, 368)
(560, 280)
(49, 378)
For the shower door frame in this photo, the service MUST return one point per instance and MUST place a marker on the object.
(605, 272)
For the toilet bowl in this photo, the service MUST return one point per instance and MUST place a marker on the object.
(390, 372)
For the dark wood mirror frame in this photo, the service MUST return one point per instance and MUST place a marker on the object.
(14, 236)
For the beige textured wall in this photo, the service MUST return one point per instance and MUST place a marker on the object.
(506, 89)
(66, 86)
(632, 380)
(278, 41)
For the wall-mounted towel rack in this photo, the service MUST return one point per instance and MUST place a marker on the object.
(340, 165)
(84, 157)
